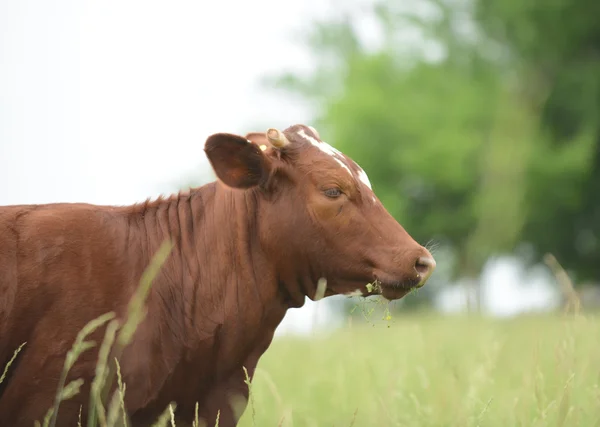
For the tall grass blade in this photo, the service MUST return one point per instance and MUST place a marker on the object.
(135, 314)
(10, 362)
(79, 346)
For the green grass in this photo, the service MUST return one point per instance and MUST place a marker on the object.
(432, 370)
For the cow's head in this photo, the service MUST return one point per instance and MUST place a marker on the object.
(318, 216)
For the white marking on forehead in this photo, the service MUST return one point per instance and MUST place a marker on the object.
(356, 293)
(314, 131)
(323, 146)
(263, 147)
(342, 164)
(338, 157)
(326, 148)
(362, 175)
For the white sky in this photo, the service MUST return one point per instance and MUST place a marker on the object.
(110, 102)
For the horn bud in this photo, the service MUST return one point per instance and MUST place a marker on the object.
(277, 138)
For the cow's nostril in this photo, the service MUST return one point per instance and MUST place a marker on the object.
(424, 266)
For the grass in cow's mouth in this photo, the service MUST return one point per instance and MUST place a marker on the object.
(387, 315)
(413, 291)
(367, 311)
(375, 286)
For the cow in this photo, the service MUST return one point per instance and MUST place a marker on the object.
(287, 211)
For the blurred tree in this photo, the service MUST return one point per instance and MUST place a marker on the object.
(554, 46)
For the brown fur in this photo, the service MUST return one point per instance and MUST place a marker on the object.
(242, 257)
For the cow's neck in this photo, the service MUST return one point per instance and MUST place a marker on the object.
(217, 272)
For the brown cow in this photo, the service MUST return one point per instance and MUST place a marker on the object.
(287, 209)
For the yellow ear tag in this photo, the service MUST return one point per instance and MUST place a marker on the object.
(263, 147)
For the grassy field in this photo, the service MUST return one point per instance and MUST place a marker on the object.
(428, 370)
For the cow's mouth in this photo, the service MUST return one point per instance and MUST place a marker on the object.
(392, 289)
(386, 285)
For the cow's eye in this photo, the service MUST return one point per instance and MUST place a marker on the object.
(333, 192)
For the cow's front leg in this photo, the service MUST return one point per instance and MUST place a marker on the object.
(228, 399)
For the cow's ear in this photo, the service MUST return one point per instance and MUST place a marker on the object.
(237, 162)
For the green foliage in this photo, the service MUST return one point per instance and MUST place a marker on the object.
(540, 33)
(555, 44)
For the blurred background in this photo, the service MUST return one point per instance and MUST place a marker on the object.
(478, 121)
